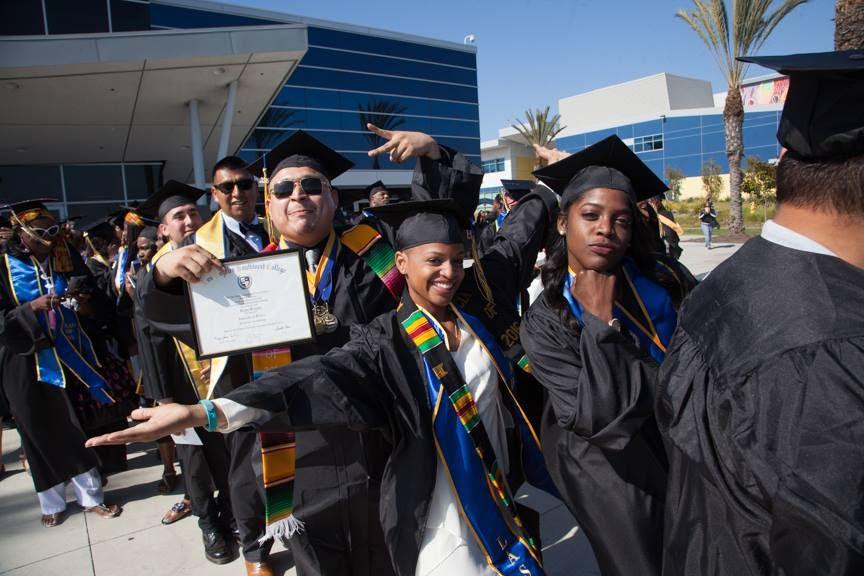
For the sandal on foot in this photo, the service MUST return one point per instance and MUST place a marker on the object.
(105, 511)
(52, 520)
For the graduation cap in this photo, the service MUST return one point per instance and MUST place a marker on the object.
(28, 210)
(823, 116)
(516, 189)
(168, 197)
(101, 228)
(132, 214)
(302, 150)
(149, 232)
(374, 187)
(607, 164)
(440, 221)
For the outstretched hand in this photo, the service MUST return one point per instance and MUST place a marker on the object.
(402, 145)
(550, 155)
(155, 423)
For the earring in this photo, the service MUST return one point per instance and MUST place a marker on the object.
(561, 232)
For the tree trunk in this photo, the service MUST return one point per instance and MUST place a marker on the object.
(849, 25)
(733, 122)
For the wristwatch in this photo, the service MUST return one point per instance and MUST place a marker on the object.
(615, 324)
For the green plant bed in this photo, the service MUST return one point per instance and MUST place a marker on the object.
(687, 214)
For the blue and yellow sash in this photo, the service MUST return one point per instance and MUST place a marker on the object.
(71, 345)
(464, 448)
(645, 309)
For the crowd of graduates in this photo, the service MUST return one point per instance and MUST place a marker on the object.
(710, 429)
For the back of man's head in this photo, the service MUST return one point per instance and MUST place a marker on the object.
(835, 186)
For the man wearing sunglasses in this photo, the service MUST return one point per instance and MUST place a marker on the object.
(338, 470)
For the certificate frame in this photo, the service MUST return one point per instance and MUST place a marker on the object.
(294, 265)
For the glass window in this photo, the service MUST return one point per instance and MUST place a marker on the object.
(364, 82)
(21, 18)
(93, 182)
(79, 17)
(492, 165)
(23, 182)
(648, 143)
(301, 97)
(177, 17)
(377, 45)
(383, 65)
(89, 211)
(129, 16)
(142, 180)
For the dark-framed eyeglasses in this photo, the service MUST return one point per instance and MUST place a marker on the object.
(227, 187)
(310, 185)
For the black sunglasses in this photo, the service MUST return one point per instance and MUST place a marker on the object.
(227, 187)
(310, 185)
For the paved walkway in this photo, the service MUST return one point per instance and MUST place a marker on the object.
(137, 544)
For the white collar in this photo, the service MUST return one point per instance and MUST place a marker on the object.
(789, 238)
(234, 225)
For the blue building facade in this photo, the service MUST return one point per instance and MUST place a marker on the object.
(687, 143)
(347, 80)
(348, 77)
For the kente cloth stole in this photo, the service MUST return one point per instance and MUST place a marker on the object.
(277, 449)
(72, 347)
(644, 308)
(465, 451)
(366, 242)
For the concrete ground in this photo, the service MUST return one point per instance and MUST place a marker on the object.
(137, 543)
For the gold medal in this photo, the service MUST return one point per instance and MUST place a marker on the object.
(325, 322)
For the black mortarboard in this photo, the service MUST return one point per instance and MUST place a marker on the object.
(823, 116)
(133, 215)
(149, 232)
(378, 185)
(607, 164)
(168, 197)
(302, 150)
(4, 222)
(28, 210)
(101, 228)
(516, 189)
(425, 222)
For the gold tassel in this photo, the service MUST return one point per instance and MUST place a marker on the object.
(266, 182)
(480, 276)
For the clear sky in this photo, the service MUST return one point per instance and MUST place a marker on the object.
(530, 53)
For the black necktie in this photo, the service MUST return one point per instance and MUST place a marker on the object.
(257, 229)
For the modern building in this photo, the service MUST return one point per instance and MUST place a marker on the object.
(671, 122)
(102, 100)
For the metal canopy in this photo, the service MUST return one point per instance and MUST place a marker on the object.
(124, 97)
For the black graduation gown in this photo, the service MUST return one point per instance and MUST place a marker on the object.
(760, 403)
(375, 382)
(599, 436)
(335, 466)
(49, 423)
(103, 276)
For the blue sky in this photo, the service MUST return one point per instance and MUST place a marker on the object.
(533, 52)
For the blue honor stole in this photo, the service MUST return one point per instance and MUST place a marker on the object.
(71, 345)
(645, 308)
(465, 451)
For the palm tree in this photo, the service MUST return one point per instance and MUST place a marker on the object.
(849, 25)
(751, 24)
(539, 129)
(385, 115)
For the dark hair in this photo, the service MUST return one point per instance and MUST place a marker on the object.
(556, 267)
(836, 185)
(234, 163)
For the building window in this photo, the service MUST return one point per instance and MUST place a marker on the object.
(648, 143)
(493, 165)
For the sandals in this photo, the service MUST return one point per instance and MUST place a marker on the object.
(167, 483)
(105, 510)
(52, 520)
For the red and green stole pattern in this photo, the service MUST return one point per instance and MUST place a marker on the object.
(364, 241)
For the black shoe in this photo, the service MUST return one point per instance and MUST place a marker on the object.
(216, 550)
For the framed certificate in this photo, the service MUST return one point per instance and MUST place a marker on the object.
(257, 302)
